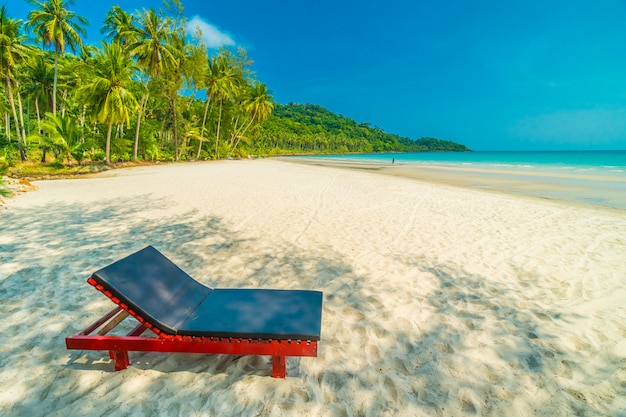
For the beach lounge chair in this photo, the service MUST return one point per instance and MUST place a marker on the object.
(186, 316)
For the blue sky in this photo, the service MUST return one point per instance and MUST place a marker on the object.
(493, 75)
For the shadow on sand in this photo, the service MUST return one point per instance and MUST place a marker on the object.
(364, 367)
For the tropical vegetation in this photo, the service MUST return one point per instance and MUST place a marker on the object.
(4, 191)
(150, 92)
(310, 129)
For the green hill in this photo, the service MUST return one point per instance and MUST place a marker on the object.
(310, 128)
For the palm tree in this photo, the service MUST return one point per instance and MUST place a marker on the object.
(224, 88)
(55, 25)
(109, 93)
(154, 52)
(77, 72)
(259, 104)
(190, 132)
(164, 89)
(12, 52)
(210, 81)
(61, 136)
(119, 26)
(38, 82)
(36, 78)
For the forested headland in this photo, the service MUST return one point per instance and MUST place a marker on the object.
(149, 91)
(311, 129)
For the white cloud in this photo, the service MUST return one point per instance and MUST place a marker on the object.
(212, 36)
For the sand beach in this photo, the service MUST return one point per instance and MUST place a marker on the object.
(440, 299)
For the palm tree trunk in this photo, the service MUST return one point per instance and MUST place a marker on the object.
(241, 132)
(175, 129)
(38, 115)
(43, 148)
(217, 137)
(82, 124)
(7, 125)
(235, 130)
(19, 104)
(64, 100)
(17, 124)
(54, 84)
(206, 111)
(107, 150)
(144, 102)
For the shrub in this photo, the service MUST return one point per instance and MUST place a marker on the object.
(4, 191)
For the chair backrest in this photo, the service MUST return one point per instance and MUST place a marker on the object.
(154, 287)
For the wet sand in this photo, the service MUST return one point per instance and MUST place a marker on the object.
(598, 188)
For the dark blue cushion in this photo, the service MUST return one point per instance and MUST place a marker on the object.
(154, 287)
(252, 313)
(175, 303)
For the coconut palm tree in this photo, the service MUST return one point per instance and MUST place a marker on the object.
(38, 81)
(258, 103)
(169, 83)
(154, 52)
(12, 52)
(109, 92)
(55, 25)
(210, 82)
(225, 86)
(37, 78)
(119, 26)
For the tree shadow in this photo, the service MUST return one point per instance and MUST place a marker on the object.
(448, 344)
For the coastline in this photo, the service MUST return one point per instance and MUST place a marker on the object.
(577, 187)
(438, 300)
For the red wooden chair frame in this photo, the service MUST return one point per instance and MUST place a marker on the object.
(119, 346)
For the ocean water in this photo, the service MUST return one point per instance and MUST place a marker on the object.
(604, 161)
(593, 177)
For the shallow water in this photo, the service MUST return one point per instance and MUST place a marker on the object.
(594, 177)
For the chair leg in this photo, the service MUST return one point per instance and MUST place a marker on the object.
(279, 367)
(120, 358)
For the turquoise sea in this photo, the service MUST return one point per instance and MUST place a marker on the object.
(606, 161)
(595, 177)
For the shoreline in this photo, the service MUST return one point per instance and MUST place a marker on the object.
(606, 192)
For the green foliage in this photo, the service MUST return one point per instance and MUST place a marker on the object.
(309, 128)
(58, 133)
(438, 145)
(152, 93)
(4, 192)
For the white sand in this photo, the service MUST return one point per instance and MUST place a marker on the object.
(438, 301)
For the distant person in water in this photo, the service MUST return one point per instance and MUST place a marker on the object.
(393, 161)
